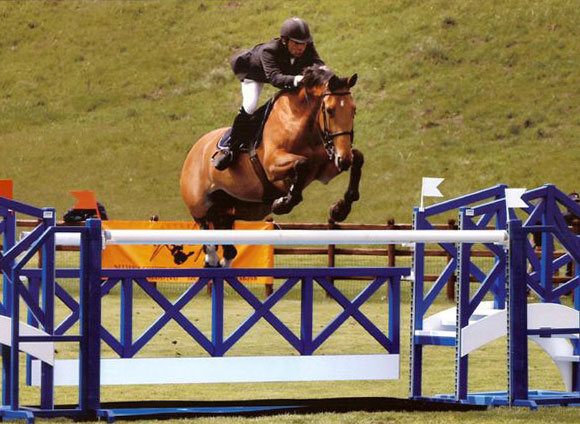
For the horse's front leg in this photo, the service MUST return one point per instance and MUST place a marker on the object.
(340, 210)
(296, 168)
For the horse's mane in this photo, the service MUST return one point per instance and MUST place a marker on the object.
(316, 75)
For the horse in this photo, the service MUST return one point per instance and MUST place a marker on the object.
(307, 136)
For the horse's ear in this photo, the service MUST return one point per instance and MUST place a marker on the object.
(352, 80)
(333, 83)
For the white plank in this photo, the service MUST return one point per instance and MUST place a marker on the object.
(41, 350)
(231, 369)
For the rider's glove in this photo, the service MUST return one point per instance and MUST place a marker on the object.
(297, 80)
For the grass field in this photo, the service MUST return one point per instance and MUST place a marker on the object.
(108, 96)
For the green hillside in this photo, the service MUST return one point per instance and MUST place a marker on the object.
(109, 96)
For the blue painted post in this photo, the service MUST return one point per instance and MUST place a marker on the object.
(517, 316)
(395, 314)
(500, 282)
(576, 343)
(577, 289)
(126, 316)
(90, 317)
(8, 242)
(306, 315)
(462, 318)
(217, 316)
(417, 290)
(34, 289)
(13, 306)
(15, 333)
(47, 285)
(547, 268)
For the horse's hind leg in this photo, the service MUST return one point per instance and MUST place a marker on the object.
(226, 222)
(340, 210)
(211, 257)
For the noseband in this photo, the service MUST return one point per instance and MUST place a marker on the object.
(327, 136)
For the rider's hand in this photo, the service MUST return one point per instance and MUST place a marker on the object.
(297, 80)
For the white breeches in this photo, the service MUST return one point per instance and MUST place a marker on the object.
(251, 94)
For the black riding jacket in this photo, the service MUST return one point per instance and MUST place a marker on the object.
(270, 62)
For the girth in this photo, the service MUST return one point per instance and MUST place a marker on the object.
(271, 193)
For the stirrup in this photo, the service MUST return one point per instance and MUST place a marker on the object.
(222, 159)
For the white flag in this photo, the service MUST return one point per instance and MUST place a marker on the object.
(513, 198)
(429, 188)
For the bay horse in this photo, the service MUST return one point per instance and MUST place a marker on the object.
(307, 136)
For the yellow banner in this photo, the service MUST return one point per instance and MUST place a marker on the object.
(183, 256)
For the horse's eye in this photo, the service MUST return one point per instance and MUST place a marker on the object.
(330, 112)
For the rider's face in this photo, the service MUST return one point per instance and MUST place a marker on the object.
(296, 49)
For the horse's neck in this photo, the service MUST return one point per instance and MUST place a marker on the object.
(299, 115)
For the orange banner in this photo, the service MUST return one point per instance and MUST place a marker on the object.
(183, 256)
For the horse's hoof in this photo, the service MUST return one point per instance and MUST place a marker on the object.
(208, 265)
(339, 211)
(225, 263)
(281, 206)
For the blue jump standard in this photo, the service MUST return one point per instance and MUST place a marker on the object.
(535, 399)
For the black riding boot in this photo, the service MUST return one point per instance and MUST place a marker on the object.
(241, 132)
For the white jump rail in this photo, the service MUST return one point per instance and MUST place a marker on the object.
(289, 237)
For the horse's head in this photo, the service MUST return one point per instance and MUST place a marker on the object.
(336, 114)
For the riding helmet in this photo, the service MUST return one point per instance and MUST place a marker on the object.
(296, 30)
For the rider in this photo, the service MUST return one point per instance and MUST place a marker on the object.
(279, 62)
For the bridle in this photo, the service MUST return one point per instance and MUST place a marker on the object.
(327, 136)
